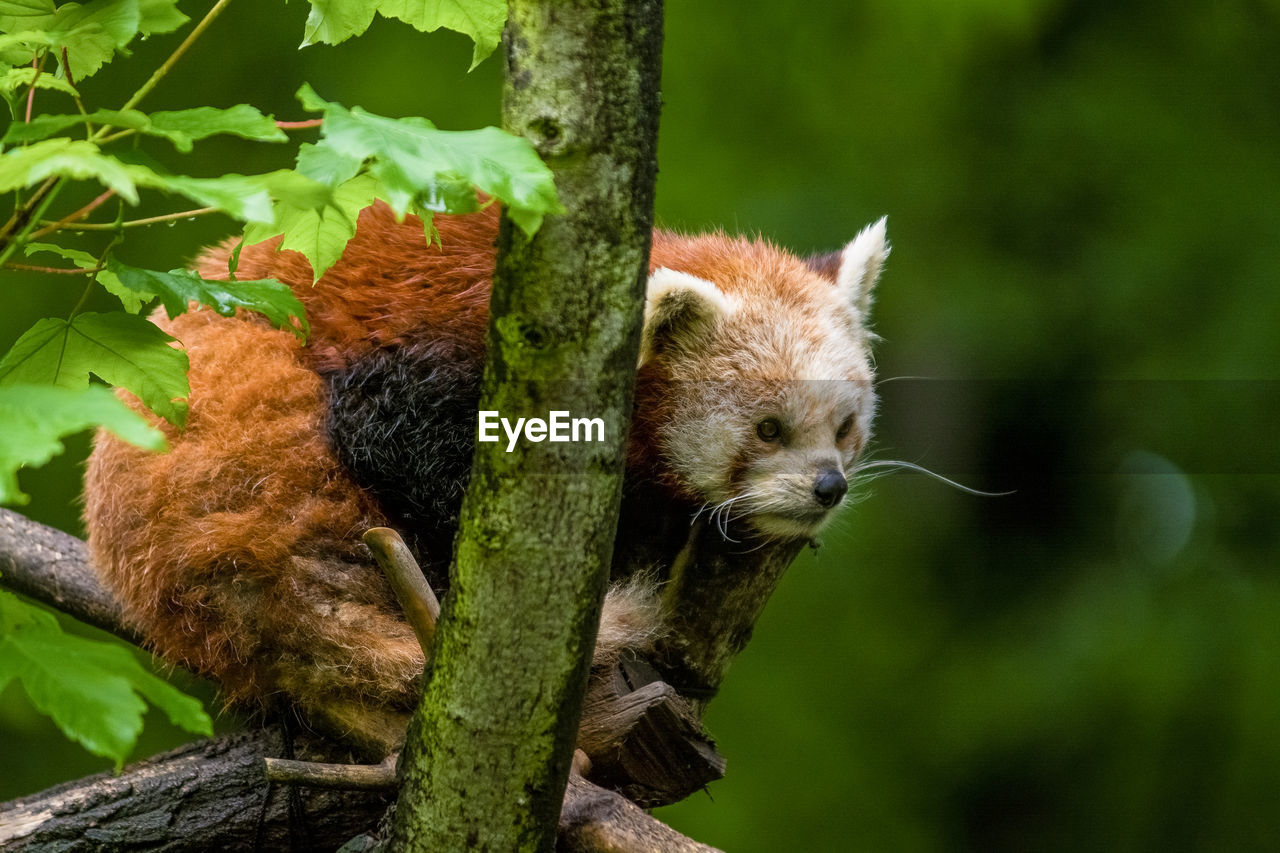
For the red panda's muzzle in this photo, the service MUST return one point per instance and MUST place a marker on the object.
(830, 487)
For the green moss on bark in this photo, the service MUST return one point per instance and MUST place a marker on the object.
(489, 749)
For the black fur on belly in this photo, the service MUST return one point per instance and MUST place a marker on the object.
(403, 422)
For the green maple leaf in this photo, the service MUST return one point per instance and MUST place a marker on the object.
(416, 163)
(44, 126)
(92, 690)
(181, 127)
(333, 21)
(33, 419)
(319, 233)
(122, 349)
(482, 20)
(178, 288)
(245, 197)
(67, 158)
(92, 33)
(25, 14)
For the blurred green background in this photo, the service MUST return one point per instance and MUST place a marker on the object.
(1084, 203)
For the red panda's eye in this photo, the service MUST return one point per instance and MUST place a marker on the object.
(769, 429)
(843, 430)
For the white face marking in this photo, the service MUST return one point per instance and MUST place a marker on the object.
(791, 350)
(716, 444)
(824, 426)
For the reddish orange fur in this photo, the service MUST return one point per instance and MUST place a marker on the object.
(238, 552)
(390, 286)
(218, 547)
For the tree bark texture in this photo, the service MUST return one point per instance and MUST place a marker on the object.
(211, 795)
(53, 568)
(715, 592)
(488, 752)
(214, 794)
(595, 820)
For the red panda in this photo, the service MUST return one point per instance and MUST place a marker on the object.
(238, 553)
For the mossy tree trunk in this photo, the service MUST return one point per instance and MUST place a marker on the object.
(489, 749)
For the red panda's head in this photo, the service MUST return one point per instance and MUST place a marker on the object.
(755, 388)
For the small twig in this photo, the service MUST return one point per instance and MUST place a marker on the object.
(177, 54)
(349, 777)
(71, 219)
(299, 125)
(53, 270)
(132, 223)
(16, 231)
(419, 602)
(31, 93)
(75, 92)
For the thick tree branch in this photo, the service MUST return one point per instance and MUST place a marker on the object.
(487, 756)
(594, 820)
(713, 599)
(212, 795)
(217, 792)
(53, 568)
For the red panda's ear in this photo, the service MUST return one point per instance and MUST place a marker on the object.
(860, 265)
(680, 311)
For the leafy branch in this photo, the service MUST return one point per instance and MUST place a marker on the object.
(360, 158)
(51, 379)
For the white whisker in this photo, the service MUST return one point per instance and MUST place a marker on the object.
(911, 466)
(887, 379)
(722, 514)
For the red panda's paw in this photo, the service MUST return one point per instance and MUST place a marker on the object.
(631, 620)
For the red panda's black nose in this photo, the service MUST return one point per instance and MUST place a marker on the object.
(830, 487)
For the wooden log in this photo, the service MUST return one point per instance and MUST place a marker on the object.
(644, 739)
(594, 820)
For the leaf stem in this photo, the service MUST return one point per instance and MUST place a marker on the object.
(93, 275)
(75, 96)
(118, 135)
(137, 223)
(49, 227)
(31, 93)
(18, 229)
(176, 55)
(55, 270)
(299, 125)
